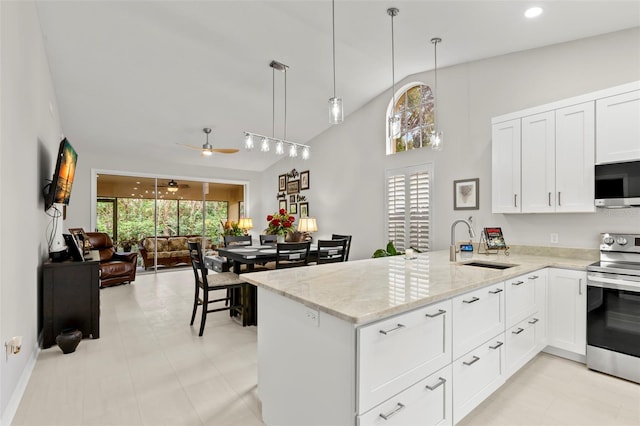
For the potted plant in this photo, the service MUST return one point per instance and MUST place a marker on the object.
(126, 244)
(280, 224)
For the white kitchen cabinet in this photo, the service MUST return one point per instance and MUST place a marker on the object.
(477, 316)
(399, 351)
(505, 167)
(522, 343)
(522, 296)
(538, 163)
(618, 128)
(477, 375)
(427, 403)
(567, 314)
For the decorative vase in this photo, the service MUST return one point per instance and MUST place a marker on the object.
(68, 340)
(280, 238)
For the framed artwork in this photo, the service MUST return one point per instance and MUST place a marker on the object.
(304, 209)
(304, 180)
(282, 183)
(293, 208)
(292, 198)
(466, 194)
(293, 187)
(81, 238)
(282, 204)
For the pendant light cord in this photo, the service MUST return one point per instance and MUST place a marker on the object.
(393, 67)
(435, 42)
(333, 29)
(285, 104)
(273, 102)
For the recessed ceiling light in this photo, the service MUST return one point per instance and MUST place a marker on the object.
(533, 12)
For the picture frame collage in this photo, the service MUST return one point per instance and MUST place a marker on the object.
(289, 187)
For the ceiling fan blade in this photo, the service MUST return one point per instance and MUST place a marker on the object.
(199, 148)
(225, 150)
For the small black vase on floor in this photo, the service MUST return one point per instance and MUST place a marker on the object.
(68, 340)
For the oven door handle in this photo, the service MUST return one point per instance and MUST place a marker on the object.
(616, 283)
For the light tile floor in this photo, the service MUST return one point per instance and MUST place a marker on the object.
(150, 368)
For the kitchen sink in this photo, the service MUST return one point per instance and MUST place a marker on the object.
(489, 265)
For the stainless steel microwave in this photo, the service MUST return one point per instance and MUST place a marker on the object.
(617, 184)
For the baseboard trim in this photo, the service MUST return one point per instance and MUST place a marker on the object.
(12, 407)
(565, 354)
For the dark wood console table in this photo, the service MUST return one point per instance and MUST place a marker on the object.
(70, 298)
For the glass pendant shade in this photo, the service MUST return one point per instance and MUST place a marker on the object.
(248, 142)
(336, 113)
(264, 147)
(279, 148)
(293, 151)
(394, 126)
(305, 153)
(437, 140)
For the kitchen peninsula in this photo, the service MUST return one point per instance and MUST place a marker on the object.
(397, 339)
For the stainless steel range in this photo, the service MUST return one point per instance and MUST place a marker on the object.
(613, 307)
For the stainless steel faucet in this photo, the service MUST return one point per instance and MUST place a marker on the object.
(452, 247)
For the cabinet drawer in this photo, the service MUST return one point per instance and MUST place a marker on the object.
(522, 343)
(395, 353)
(426, 403)
(477, 316)
(477, 375)
(521, 298)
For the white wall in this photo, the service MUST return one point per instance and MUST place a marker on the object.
(29, 136)
(348, 161)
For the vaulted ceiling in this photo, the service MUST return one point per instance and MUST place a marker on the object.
(146, 76)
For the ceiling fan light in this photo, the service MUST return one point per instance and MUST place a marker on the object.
(172, 186)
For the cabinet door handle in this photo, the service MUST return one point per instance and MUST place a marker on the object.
(517, 283)
(440, 312)
(441, 381)
(398, 327)
(498, 344)
(534, 277)
(580, 286)
(515, 200)
(559, 203)
(496, 291)
(518, 331)
(392, 413)
(549, 201)
(473, 299)
(534, 320)
(475, 359)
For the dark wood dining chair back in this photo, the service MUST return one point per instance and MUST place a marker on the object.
(268, 239)
(343, 237)
(332, 251)
(238, 240)
(290, 255)
(204, 284)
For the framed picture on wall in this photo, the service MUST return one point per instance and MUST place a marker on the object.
(293, 208)
(293, 187)
(304, 180)
(466, 194)
(292, 198)
(304, 209)
(282, 183)
(282, 204)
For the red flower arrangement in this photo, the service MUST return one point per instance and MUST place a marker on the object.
(280, 223)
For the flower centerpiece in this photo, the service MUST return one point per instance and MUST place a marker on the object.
(280, 223)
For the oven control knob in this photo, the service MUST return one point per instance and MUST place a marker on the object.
(608, 240)
(621, 240)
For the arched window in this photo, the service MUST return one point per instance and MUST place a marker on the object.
(414, 106)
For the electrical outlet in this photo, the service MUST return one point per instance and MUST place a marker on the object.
(553, 238)
(312, 315)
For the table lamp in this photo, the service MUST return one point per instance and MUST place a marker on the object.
(307, 225)
(245, 224)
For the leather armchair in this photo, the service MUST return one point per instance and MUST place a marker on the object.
(114, 268)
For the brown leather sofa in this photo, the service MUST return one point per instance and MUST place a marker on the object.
(115, 268)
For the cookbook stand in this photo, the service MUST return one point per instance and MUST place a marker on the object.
(488, 246)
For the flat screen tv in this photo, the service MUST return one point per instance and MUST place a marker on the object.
(59, 190)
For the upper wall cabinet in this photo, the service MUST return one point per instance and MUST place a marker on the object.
(618, 128)
(543, 158)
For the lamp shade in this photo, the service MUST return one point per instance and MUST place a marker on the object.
(307, 224)
(245, 223)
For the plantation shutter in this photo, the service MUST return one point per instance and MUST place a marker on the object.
(408, 207)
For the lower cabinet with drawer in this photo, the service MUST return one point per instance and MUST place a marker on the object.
(523, 342)
(476, 375)
(397, 352)
(427, 403)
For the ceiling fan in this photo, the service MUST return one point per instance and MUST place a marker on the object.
(173, 186)
(207, 149)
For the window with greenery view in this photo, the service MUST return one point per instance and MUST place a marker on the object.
(415, 108)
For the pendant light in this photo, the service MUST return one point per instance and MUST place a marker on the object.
(436, 135)
(265, 141)
(336, 112)
(394, 119)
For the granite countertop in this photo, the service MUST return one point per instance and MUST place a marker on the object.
(367, 290)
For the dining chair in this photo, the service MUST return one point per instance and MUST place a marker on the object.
(344, 237)
(332, 251)
(238, 240)
(268, 239)
(204, 284)
(289, 255)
